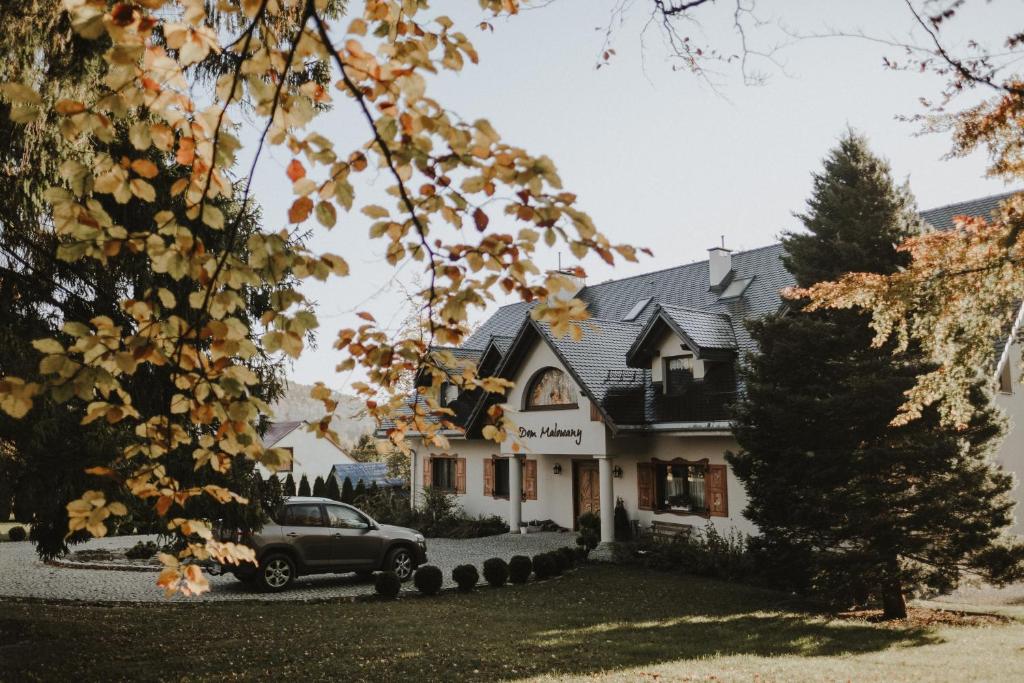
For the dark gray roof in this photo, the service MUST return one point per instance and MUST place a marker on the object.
(367, 472)
(941, 218)
(278, 430)
(707, 330)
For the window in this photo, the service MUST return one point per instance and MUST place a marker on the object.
(449, 393)
(340, 517)
(683, 487)
(291, 460)
(636, 310)
(444, 474)
(678, 374)
(303, 515)
(550, 389)
(501, 477)
(680, 488)
(1006, 378)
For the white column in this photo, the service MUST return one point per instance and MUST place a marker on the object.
(604, 464)
(515, 493)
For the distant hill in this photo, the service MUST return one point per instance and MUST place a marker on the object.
(350, 422)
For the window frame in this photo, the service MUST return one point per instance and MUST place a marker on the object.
(452, 463)
(535, 378)
(285, 521)
(508, 478)
(291, 461)
(666, 374)
(662, 465)
(341, 506)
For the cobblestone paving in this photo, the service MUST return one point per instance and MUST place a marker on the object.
(23, 575)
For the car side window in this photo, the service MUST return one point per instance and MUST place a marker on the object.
(303, 515)
(346, 518)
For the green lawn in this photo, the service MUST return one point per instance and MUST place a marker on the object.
(606, 622)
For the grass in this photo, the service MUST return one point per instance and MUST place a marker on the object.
(604, 622)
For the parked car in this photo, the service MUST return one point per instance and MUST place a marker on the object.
(322, 536)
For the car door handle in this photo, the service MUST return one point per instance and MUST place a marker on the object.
(291, 534)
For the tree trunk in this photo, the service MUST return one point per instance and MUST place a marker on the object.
(894, 604)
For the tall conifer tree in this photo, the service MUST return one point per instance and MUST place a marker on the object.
(858, 506)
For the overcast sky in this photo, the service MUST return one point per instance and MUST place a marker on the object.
(656, 157)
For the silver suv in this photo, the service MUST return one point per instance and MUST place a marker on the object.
(323, 536)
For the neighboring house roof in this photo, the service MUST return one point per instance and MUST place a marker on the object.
(679, 297)
(941, 218)
(278, 430)
(367, 472)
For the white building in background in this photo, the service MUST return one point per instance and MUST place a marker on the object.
(311, 456)
(637, 410)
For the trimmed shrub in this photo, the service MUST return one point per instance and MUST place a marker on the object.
(387, 585)
(581, 554)
(320, 487)
(428, 579)
(304, 490)
(289, 485)
(17, 533)
(519, 569)
(544, 566)
(466, 576)
(333, 491)
(563, 563)
(558, 564)
(570, 556)
(496, 572)
(590, 531)
(623, 529)
(143, 550)
(348, 494)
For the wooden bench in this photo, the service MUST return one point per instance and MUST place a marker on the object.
(670, 531)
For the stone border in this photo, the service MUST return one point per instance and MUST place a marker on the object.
(106, 566)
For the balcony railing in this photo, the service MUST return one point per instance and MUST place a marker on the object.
(697, 402)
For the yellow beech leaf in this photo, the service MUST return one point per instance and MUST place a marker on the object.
(145, 168)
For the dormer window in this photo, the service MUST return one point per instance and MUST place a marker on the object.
(678, 374)
(550, 389)
(449, 393)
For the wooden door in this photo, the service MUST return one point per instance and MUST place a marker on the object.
(586, 483)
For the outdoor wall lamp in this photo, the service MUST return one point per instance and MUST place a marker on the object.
(557, 469)
(617, 472)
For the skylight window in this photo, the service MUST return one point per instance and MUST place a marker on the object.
(736, 288)
(636, 310)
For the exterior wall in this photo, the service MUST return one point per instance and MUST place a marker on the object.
(311, 456)
(1011, 452)
(672, 345)
(628, 451)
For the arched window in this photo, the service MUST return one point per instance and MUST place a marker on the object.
(549, 389)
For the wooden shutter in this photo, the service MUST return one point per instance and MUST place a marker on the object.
(530, 480)
(428, 478)
(460, 475)
(716, 490)
(645, 485)
(489, 476)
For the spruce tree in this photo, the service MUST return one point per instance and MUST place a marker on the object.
(289, 485)
(304, 489)
(347, 492)
(319, 487)
(360, 492)
(848, 502)
(333, 491)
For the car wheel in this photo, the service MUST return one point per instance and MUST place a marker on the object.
(276, 573)
(401, 563)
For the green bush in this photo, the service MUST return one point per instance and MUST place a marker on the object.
(17, 533)
(428, 579)
(623, 529)
(519, 569)
(707, 553)
(439, 515)
(496, 572)
(320, 487)
(304, 490)
(590, 531)
(563, 563)
(544, 566)
(143, 550)
(289, 485)
(466, 577)
(387, 585)
(570, 556)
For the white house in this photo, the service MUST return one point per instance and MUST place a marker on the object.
(639, 408)
(311, 456)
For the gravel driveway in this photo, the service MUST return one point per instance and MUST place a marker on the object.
(23, 575)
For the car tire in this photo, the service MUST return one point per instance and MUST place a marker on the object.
(276, 573)
(401, 562)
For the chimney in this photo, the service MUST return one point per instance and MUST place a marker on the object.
(569, 284)
(719, 268)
